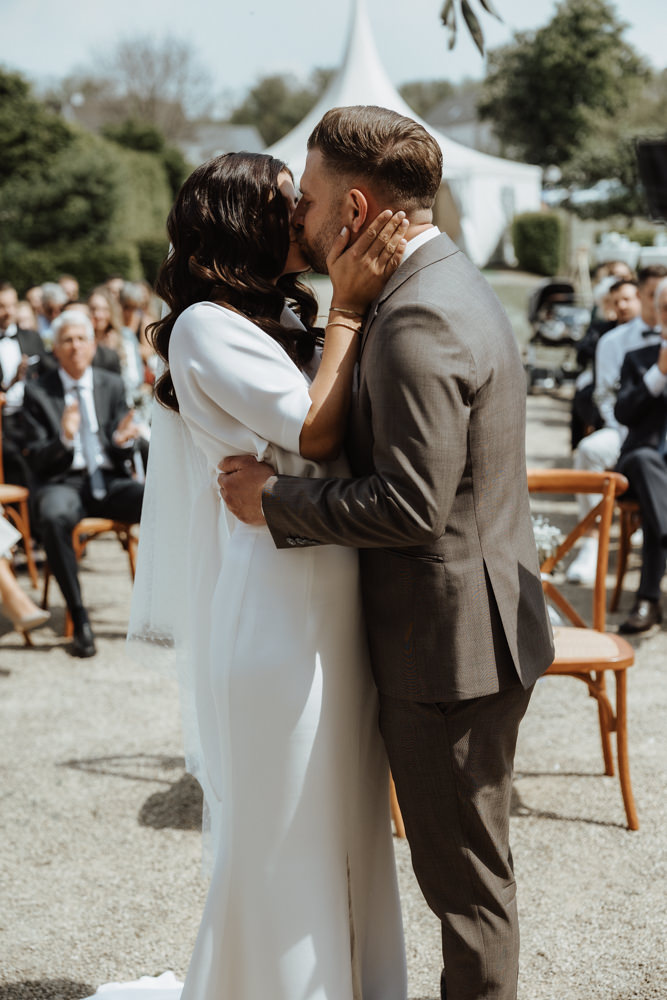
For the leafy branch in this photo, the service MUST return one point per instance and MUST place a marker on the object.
(448, 16)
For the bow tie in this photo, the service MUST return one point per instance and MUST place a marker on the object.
(648, 331)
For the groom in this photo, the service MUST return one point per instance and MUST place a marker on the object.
(438, 507)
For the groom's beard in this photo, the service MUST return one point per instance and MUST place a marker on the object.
(316, 250)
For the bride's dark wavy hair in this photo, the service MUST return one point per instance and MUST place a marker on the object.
(229, 232)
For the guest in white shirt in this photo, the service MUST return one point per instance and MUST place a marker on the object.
(22, 357)
(600, 450)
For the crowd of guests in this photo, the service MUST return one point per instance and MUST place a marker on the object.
(76, 378)
(619, 418)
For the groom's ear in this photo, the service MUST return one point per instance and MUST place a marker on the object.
(355, 210)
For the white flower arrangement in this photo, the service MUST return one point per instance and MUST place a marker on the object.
(547, 537)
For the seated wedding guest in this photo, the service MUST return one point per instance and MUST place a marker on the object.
(34, 298)
(80, 452)
(585, 416)
(70, 285)
(113, 285)
(54, 300)
(110, 334)
(634, 305)
(17, 606)
(22, 357)
(136, 317)
(25, 316)
(642, 407)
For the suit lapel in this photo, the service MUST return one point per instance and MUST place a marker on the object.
(55, 395)
(436, 249)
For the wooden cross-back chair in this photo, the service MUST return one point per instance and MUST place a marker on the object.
(630, 521)
(583, 652)
(14, 501)
(85, 531)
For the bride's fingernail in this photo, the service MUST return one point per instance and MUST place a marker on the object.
(343, 231)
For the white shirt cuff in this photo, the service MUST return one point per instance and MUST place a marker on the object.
(655, 381)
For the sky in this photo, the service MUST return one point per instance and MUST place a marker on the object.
(239, 41)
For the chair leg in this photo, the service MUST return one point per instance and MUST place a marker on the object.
(396, 810)
(27, 544)
(605, 728)
(622, 751)
(623, 548)
(47, 581)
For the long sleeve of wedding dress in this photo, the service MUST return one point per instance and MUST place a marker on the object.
(303, 902)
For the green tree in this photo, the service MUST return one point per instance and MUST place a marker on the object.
(70, 200)
(146, 138)
(548, 90)
(609, 151)
(278, 102)
(31, 134)
(423, 95)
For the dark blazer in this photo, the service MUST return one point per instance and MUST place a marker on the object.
(43, 405)
(439, 507)
(106, 358)
(644, 414)
(32, 344)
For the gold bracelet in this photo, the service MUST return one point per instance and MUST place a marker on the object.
(353, 329)
(346, 312)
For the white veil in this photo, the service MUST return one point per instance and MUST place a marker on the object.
(169, 626)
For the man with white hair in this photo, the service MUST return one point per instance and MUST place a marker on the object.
(81, 439)
(642, 407)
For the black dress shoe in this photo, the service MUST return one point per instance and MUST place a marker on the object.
(83, 641)
(643, 616)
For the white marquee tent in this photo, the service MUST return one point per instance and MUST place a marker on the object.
(480, 193)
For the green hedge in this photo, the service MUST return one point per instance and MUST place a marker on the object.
(92, 264)
(151, 254)
(538, 242)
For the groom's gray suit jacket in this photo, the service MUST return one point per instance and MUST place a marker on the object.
(439, 506)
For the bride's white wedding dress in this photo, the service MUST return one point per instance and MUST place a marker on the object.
(303, 902)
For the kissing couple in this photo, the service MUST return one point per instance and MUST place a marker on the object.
(369, 591)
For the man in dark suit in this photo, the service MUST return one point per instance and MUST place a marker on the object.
(23, 357)
(439, 509)
(81, 437)
(642, 407)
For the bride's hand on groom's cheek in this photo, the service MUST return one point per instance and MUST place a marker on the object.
(359, 271)
(241, 481)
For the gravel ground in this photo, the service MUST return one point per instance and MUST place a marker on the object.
(99, 867)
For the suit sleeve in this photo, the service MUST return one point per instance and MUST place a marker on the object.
(45, 453)
(421, 398)
(633, 396)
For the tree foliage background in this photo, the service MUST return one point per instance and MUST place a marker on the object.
(71, 200)
(575, 94)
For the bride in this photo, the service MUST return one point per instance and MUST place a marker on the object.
(281, 714)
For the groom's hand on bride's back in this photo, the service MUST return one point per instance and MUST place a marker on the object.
(242, 479)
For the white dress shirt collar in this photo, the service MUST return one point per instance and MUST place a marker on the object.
(69, 383)
(418, 241)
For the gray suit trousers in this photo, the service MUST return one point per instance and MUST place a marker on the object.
(452, 763)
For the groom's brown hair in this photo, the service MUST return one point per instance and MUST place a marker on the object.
(392, 152)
